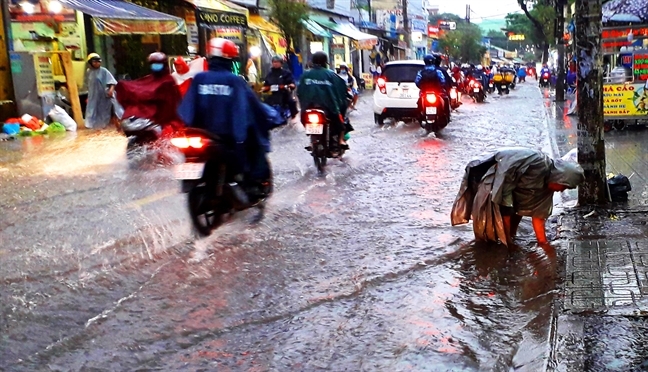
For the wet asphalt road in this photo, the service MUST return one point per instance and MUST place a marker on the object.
(359, 270)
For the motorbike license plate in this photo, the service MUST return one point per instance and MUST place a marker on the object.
(430, 111)
(314, 128)
(503, 86)
(189, 171)
(274, 88)
(490, 85)
(476, 90)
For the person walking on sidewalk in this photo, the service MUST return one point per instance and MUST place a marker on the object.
(501, 188)
(101, 88)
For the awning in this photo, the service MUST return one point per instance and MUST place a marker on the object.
(220, 13)
(116, 17)
(345, 28)
(316, 29)
(270, 33)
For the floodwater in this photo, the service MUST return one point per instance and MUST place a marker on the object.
(356, 270)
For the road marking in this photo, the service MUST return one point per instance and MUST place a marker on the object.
(138, 204)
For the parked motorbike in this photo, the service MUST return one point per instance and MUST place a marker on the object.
(545, 80)
(324, 143)
(476, 90)
(213, 191)
(433, 117)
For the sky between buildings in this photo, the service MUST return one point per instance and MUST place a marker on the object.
(480, 9)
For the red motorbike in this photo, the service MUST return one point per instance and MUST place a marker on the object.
(476, 90)
(545, 80)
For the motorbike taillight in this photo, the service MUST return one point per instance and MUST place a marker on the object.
(313, 118)
(453, 93)
(187, 142)
(431, 98)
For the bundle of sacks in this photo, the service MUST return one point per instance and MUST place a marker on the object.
(28, 125)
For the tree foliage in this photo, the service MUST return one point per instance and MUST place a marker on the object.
(288, 15)
(498, 38)
(464, 43)
(539, 23)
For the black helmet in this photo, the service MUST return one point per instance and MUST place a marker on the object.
(428, 60)
(436, 59)
(320, 59)
(157, 57)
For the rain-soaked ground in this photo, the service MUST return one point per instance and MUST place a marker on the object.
(359, 270)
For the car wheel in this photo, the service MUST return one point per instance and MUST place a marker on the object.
(379, 119)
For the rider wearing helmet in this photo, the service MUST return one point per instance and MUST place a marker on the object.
(349, 79)
(155, 97)
(432, 79)
(222, 103)
(321, 87)
(448, 80)
(101, 87)
(276, 77)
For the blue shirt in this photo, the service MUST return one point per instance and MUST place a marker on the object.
(430, 75)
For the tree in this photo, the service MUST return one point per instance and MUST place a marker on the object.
(464, 43)
(497, 38)
(541, 17)
(288, 15)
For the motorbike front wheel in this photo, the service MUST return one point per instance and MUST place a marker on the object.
(204, 214)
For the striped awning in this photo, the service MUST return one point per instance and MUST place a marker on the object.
(117, 17)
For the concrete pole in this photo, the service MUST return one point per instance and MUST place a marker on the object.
(406, 29)
(560, 27)
(591, 144)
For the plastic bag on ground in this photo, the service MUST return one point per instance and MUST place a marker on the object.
(60, 115)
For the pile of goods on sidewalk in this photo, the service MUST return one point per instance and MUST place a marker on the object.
(59, 121)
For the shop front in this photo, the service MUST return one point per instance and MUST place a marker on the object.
(347, 41)
(264, 42)
(317, 39)
(218, 18)
(50, 40)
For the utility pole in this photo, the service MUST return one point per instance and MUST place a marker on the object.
(406, 27)
(591, 144)
(559, 32)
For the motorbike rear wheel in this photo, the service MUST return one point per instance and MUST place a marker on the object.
(204, 216)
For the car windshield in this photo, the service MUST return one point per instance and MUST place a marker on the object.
(401, 73)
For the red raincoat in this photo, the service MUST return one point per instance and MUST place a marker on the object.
(152, 97)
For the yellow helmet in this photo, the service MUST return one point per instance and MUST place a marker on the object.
(93, 56)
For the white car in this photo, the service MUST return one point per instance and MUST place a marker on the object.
(396, 96)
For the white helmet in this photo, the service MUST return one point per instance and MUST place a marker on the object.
(480, 67)
(223, 48)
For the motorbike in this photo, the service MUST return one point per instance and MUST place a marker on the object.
(476, 90)
(213, 192)
(324, 143)
(545, 80)
(433, 117)
(141, 133)
(491, 86)
(284, 110)
(503, 82)
(455, 98)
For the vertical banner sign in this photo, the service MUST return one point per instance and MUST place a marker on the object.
(640, 65)
(44, 74)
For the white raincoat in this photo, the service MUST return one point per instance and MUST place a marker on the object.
(98, 110)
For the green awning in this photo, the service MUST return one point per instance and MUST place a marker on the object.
(316, 29)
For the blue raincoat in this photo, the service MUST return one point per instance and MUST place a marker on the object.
(99, 108)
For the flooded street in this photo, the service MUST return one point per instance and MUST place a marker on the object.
(359, 270)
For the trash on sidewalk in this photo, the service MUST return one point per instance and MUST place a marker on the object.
(619, 186)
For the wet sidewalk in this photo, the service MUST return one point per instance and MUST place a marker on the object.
(600, 324)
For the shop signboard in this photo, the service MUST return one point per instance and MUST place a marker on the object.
(105, 26)
(613, 38)
(640, 65)
(419, 25)
(368, 78)
(221, 18)
(621, 100)
(44, 74)
(192, 28)
(230, 33)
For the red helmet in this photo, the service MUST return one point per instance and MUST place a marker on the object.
(223, 48)
(157, 57)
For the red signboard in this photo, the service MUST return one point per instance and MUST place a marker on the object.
(624, 32)
(433, 31)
